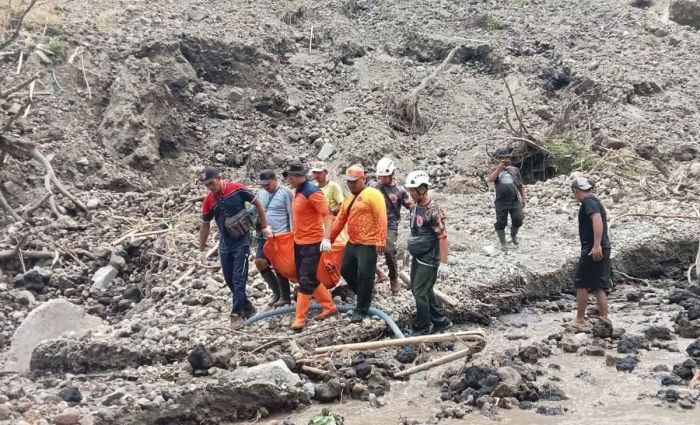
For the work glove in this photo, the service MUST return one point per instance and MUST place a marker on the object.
(443, 271)
(267, 232)
(203, 257)
(326, 245)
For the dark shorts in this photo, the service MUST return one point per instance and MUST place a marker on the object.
(593, 275)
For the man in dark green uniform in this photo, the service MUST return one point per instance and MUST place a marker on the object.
(427, 245)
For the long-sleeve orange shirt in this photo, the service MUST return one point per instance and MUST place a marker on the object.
(366, 220)
(309, 210)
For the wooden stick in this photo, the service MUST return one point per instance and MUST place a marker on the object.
(11, 253)
(315, 371)
(132, 235)
(441, 296)
(8, 209)
(476, 336)
(189, 271)
(687, 217)
(19, 26)
(437, 362)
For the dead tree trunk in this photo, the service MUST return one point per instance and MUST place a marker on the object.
(405, 115)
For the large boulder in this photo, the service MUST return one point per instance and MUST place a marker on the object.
(275, 372)
(47, 321)
(685, 12)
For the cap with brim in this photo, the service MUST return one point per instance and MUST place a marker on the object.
(207, 175)
(581, 183)
(354, 173)
(266, 176)
(295, 169)
(318, 167)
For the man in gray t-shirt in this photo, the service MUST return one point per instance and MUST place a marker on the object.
(510, 197)
(277, 200)
(395, 197)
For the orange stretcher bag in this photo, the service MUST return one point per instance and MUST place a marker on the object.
(279, 249)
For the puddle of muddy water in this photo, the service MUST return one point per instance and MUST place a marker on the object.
(597, 394)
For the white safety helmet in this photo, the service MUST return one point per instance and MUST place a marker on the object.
(416, 179)
(385, 167)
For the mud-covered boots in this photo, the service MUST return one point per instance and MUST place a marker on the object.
(303, 304)
(271, 278)
(324, 298)
(502, 238)
(514, 235)
(285, 298)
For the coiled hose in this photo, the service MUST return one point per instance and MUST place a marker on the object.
(341, 308)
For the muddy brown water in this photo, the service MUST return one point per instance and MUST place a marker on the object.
(606, 396)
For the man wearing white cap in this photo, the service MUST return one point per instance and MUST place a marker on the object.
(593, 273)
(331, 190)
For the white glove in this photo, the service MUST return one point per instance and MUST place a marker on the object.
(326, 245)
(443, 271)
(267, 232)
(203, 257)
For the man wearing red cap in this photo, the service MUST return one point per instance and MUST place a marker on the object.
(226, 205)
(364, 212)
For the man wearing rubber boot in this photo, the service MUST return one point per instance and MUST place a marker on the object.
(312, 228)
(226, 204)
(427, 244)
(510, 197)
(278, 211)
(395, 197)
(364, 212)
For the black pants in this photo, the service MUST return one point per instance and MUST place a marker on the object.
(306, 258)
(516, 215)
(359, 263)
(428, 309)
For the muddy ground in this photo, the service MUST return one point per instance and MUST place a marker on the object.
(133, 97)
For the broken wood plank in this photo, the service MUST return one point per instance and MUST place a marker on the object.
(469, 337)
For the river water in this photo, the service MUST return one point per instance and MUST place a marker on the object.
(604, 396)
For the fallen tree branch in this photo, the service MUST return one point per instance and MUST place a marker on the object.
(404, 114)
(36, 255)
(20, 86)
(685, 217)
(442, 360)
(191, 270)
(15, 34)
(315, 371)
(33, 207)
(8, 209)
(471, 337)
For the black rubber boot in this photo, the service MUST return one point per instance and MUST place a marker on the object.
(271, 278)
(285, 298)
(502, 237)
(514, 234)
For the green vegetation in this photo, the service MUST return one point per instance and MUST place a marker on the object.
(493, 23)
(56, 47)
(568, 153)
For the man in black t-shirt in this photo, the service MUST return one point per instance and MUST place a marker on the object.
(510, 197)
(593, 273)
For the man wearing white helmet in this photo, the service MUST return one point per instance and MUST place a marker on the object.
(427, 244)
(395, 197)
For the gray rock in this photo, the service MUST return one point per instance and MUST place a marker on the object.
(112, 398)
(102, 279)
(626, 364)
(326, 151)
(510, 381)
(25, 298)
(602, 328)
(632, 344)
(328, 391)
(47, 321)
(272, 372)
(117, 261)
(68, 417)
(594, 351)
(569, 344)
(685, 12)
(71, 395)
(658, 332)
(92, 203)
(197, 15)
(310, 389)
(695, 169)
(5, 412)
